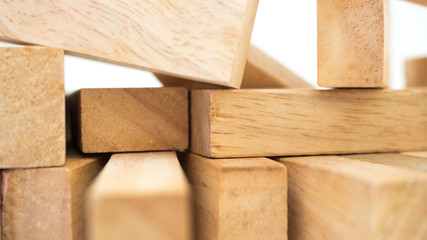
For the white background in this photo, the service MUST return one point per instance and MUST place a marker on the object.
(285, 30)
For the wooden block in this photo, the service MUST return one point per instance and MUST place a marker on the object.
(237, 198)
(421, 2)
(32, 107)
(248, 123)
(204, 40)
(338, 197)
(46, 203)
(125, 120)
(416, 154)
(416, 72)
(261, 71)
(351, 43)
(404, 161)
(140, 196)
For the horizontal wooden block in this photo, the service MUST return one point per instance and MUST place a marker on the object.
(244, 123)
(416, 72)
(341, 197)
(46, 203)
(351, 43)
(32, 107)
(421, 2)
(125, 120)
(237, 198)
(140, 196)
(200, 40)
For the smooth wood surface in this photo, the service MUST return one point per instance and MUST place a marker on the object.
(32, 107)
(261, 71)
(421, 2)
(125, 120)
(47, 203)
(237, 198)
(416, 72)
(416, 154)
(247, 123)
(339, 197)
(351, 43)
(140, 196)
(404, 161)
(200, 40)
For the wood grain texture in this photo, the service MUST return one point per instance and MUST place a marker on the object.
(416, 154)
(416, 72)
(140, 196)
(248, 123)
(338, 197)
(32, 107)
(261, 71)
(200, 40)
(125, 120)
(351, 43)
(46, 203)
(421, 2)
(403, 161)
(237, 198)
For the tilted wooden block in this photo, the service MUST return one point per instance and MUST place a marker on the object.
(416, 72)
(261, 71)
(140, 196)
(351, 43)
(125, 120)
(200, 40)
(422, 2)
(244, 123)
(237, 198)
(32, 107)
(46, 203)
(365, 197)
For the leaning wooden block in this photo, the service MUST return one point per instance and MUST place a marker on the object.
(416, 72)
(422, 2)
(125, 120)
(339, 197)
(140, 196)
(237, 198)
(46, 203)
(244, 123)
(351, 43)
(32, 107)
(200, 40)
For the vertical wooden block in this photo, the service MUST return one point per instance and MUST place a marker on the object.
(140, 196)
(351, 43)
(126, 120)
(237, 198)
(32, 107)
(46, 203)
(416, 72)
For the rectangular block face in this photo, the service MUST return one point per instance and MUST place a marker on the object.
(140, 196)
(422, 2)
(237, 198)
(247, 123)
(333, 197)
(416, 72)
(125, 120)
(32, 107)
(160, 36)
(351, 43)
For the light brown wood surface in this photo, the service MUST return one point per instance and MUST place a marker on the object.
(237, 198)
(261, 71)
(200, 40)
(421, 2)
(245, 123)
(125, 120)
(140, 196)
(339, 197)
(351, 43)
(46, 203)
(32, 107)
(416, 154)
(416, 72)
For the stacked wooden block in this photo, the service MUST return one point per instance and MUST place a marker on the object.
(194, 160)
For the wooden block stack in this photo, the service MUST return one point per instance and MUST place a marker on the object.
(195, 160)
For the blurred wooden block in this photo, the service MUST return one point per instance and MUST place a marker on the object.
(140, 196)
(261, 71)
(32, 107)
(126, 120)
(351, 43)
(416, 154)
(339, 197)
(200, 40)
(237, 198)
(416, 72)
(421, 2)
(46, 203)
(248, 123)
